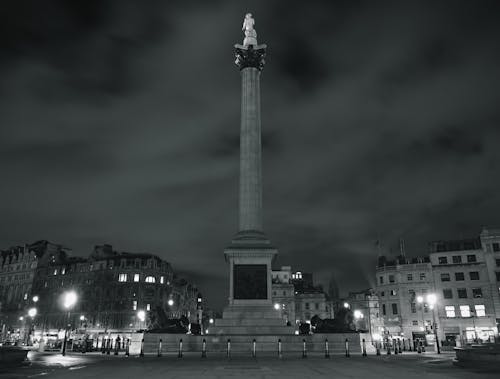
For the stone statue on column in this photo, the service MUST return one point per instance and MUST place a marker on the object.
(250, 33)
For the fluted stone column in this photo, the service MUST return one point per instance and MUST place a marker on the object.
(250, 60)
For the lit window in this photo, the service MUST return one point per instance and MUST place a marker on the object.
(25, 296)
(480, 310)
(422, 276)
(148, 307)
(464, 311)
(162, 279)
(150, 279)
(122, 277)
(450, 310)
(63, 271)
(394, 292)
(134, 305)
(55, 271)
(443, 260)
(136, 277)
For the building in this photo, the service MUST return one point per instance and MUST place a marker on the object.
(399, 283)
(464, 277)
(111, 288)
(365, 307)
(297, 296)
(462, 286)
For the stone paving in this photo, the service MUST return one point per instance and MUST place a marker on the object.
(407, 366)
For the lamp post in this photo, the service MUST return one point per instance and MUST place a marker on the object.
(32, 313)
(141, 315)
(69, 300)
(473, 315)
(432, 300)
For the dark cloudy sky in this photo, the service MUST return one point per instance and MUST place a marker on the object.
(119, 124)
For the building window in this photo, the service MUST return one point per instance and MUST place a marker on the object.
(471, 258)
(394, 309)
(426, 308)
(394, 292)
(150, 279)
(445, 277)
(450, 310)
(148, 307)
(464, 311)
(383, 309)
(381, 279)
(55, 271)
(391, 279)
(274, 293)
(474, 275)
(136, 277)
(316, 306)
(134, 305)
(422, 276)
(306, 305)
(459, 276)
(447, 294)
(122, 277)
(63, 271)
(414, 323)
(25, 296)
(477, 293)
(480, 310)
(443, 260)
(382, 293)
(495, 246)
(462, 293)
(497, 273)
(162, 279)
(413, 308)
(411, 293)
(497, 262)
(284, 293)
(409, 277)
(457, 259)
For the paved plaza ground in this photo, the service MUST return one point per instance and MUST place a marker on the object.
(406, 366)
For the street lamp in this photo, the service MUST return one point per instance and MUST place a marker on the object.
(35, 299)
(346, 305)
(277, 306)
(170, 302)
(69, 300)
(432, 300)
(141, 315)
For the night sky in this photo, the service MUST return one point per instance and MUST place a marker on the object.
(119, 124)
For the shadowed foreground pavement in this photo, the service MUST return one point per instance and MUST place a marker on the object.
(408, 366)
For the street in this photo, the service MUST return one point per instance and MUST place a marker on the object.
(95, 365)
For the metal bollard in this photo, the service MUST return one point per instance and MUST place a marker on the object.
(419, 347)
(409, 344)
(327, 349)
(254, 348)
(423, 346)
(159, 347)
(179, 355)
(347, 353)
(364, 347)
(395, 346)
(388, 347)
(108, 347)
(127, 348)
(103, 345)
(228, 350)
(280, 353)
(204, 349)
(399, 346)
(304, 350)
(141, 354)
(377, 346)
(117, 345)
(404, 344)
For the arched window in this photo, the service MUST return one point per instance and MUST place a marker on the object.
(150, 279)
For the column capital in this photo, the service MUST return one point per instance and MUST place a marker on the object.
(250, 56)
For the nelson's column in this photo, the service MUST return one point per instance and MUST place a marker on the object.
(250, 254)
